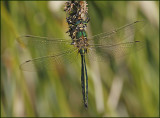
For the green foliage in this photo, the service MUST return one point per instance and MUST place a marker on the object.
(127, 87)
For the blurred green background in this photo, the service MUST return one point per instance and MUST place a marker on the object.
(128, 88)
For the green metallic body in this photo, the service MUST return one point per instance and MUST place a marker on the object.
(81, 34)
(82, 37)
(84, 77)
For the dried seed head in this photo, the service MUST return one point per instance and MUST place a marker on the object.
(76, 16)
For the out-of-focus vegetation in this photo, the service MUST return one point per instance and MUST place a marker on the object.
(129, 87)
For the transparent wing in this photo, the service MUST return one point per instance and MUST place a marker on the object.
(50, 62)
(124, 33)
(57, 51)
(44, 44)
(103, 52)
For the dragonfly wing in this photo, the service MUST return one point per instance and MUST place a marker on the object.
(50, 62)
(102, 52)
(44, 44)
(124, 33)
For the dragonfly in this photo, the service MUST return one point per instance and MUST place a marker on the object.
(116, 43)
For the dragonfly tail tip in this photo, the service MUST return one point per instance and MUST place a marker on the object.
(86, 105)
(137, 41)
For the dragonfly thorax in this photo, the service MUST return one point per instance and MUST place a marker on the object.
(81, 43)
(81, 39)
